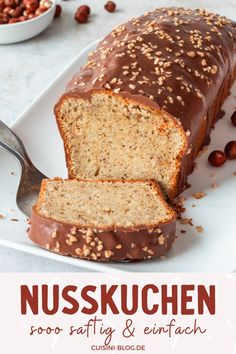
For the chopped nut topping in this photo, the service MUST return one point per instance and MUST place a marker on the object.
(94, 256)
(73, 230)
(89, 233)
(161, 240)
(86, 252)
(100, 248)
(107, 86)
(199, 229)
(199, 94)
(57, 247)
(72, 238)
(54, 234)
(108, 253)
(150, 230)
(191, 54)
(188, 151)
(79, 251)
(199, 195)
(114, 80)
(186, 221)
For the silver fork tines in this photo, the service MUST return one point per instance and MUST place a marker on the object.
(31, 177)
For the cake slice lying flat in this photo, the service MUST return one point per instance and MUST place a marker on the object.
(103, 220)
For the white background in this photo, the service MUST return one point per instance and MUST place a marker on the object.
(220, 337)
(26, 68)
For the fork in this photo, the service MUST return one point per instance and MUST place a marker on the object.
(31, 177)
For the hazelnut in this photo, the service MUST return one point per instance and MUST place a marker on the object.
(10, 3)
(14, 20)
(110, 6)
(233, 118)
(15, 12)
(39, 12)
(230, 150)
(31, 6)
(25, 2)
(84, 8)
(4, 18)
(7, 9)
(45, 5)
(22, 18)
(57, 11)
(81, 16)
(217, 158)
(30, 16)
(26, 13)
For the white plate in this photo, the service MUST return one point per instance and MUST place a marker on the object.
(212, 251)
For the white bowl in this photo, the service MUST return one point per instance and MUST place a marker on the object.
(20, 31)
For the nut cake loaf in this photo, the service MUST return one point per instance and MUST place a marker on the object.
(103, 220)
(145, 102)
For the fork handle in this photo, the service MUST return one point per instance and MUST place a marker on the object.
(12, 143)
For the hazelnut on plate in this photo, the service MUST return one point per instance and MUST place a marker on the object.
(230, 150)
(84, 8)
(217, 158)
(110, 6)
(233, 118)
(57, 11)
(81, 16)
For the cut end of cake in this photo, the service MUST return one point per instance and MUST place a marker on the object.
(108, 136)
(103, 219)
(104, 204)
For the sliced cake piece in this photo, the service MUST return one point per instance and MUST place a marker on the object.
(103, 219)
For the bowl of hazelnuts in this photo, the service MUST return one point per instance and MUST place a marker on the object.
(24, 19)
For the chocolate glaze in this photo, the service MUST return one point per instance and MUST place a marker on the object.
(120, 244)
(175, 59)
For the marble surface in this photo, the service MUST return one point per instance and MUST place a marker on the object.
(27, 68)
